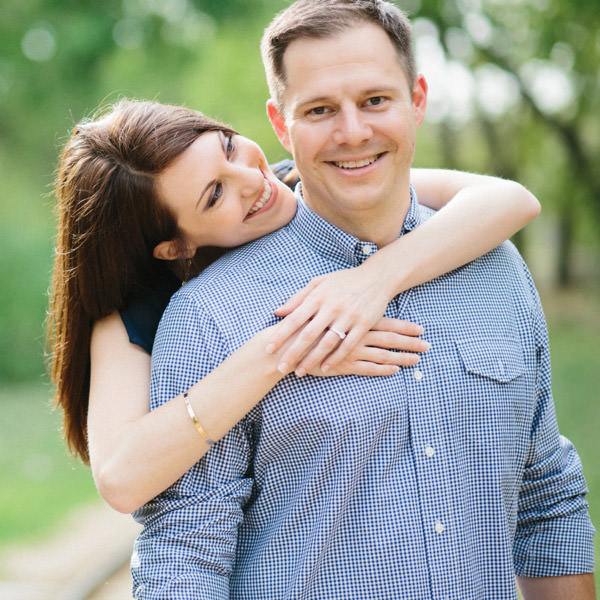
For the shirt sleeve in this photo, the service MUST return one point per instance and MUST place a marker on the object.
(187, 547)
(554, 533)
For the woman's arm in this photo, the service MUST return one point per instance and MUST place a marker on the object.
(476, 213)
(135, 454)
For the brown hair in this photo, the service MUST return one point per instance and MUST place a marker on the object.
(324, 18)
(109, 221)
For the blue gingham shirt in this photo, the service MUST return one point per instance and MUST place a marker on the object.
(440, 482)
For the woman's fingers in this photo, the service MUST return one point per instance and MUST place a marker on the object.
(387, 333)
(385, 357)
(395, 341)
(363, 368)
(287, 327)
(314, 337)
(398, 326)
(296, 300)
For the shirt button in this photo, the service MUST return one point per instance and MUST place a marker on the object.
(439, 528)
(501, 368)
(367, 249)
(418, 375)
(429, 452)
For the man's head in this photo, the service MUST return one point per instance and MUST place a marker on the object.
(348, 110)
(324, 18)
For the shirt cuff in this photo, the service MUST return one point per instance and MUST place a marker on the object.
(197, 585)
(556, 547)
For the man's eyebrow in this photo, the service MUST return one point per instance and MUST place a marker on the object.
(384, 88)
(317, 99)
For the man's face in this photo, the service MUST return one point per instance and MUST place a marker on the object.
(350, 119)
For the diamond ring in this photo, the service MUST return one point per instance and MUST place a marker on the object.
(340, 334)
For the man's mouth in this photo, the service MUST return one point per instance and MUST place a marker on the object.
(357, 164)
(262, 201)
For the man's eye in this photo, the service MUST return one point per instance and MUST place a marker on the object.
(318, 111)
(217, 193)
(375, 101)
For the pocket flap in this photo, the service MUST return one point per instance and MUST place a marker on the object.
(500, 359)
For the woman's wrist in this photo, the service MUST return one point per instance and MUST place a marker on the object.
(389, 270)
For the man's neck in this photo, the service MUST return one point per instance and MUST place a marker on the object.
(381, 225)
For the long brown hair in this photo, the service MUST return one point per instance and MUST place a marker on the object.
(109, 221)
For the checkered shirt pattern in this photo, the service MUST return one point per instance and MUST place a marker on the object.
(440, 482)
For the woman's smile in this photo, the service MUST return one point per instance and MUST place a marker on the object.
(266, 200)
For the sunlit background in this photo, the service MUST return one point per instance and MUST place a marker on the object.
(514, 90)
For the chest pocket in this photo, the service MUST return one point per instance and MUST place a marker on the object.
(498, 359)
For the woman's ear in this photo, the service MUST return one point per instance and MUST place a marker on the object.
(169, 250)
(278, 122)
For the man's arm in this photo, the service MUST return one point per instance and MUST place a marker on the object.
(554, 535)
(567, 587)
(187, 548)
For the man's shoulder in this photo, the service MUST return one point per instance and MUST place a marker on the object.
(502, 268)
(250, 279)
(258, 256)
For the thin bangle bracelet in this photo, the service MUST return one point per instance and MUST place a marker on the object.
(195, 421)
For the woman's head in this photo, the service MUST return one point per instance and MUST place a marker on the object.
(222, 193)
(110, 216)
(120, 210)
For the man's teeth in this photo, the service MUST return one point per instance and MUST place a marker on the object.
(356, 164)
(266, 195)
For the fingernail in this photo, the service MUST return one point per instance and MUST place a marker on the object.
(300, 372)
(428, 346)
(421, 330)
(282, 368)
(270, 348)
(325, 368)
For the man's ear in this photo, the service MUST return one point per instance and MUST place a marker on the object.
(279, 126)
(169, 250)
(420, 98)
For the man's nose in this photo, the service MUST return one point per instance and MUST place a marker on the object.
(352, 127)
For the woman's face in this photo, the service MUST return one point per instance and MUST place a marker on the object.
(223, 193)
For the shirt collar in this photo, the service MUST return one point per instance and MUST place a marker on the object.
(333, 243)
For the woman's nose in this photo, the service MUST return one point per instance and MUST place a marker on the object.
(248, 178)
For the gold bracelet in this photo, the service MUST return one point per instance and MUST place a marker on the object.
(195, 421)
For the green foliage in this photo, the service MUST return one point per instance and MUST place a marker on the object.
(60, 59)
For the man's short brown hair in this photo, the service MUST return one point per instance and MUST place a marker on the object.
(323, 18)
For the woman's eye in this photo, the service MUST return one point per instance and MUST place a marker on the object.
(217, 193)
(230, 147)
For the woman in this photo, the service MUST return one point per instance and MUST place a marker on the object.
(126, 222)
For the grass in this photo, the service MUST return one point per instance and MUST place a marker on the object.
(44, 482)
(41, 482)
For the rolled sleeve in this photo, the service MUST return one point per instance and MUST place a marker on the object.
(187, 547)
(554, 532)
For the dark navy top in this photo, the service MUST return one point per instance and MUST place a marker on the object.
(143, 314)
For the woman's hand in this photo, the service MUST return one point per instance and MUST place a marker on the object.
(381, 351)
(335, 310)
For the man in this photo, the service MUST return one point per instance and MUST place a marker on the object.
(440, 482)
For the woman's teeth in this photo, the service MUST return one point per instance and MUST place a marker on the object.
(266, 195)
(356, 164)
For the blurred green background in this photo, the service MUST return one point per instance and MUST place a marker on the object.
(514, 91)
